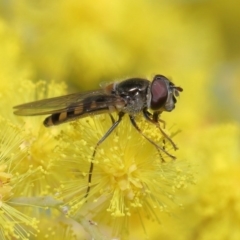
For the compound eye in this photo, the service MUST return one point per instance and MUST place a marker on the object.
(159, 92)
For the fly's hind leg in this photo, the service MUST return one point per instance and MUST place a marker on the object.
(110, 130)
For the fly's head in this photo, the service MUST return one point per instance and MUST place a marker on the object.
(162, 94)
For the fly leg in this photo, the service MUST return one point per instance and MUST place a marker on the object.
(132, 119)
(110, 130)
(154, 118)
(149, 117)
(112, 118)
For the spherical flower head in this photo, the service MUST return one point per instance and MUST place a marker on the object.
(13, 222)
(26, 156)
(130, 179)
(39, 141)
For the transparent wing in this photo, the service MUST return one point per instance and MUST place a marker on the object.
(76, 101)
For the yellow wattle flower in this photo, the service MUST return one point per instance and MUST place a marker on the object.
(129, 179)
(39, 141)
(13, 222)
(26, 158)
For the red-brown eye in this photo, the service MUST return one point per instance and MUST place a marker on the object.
(159, 92)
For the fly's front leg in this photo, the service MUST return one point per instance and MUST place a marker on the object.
(110, 130)
(154, 118)
(149, 117)
(151, 141)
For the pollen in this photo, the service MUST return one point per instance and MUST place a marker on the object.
(126, 187)
(5, 187)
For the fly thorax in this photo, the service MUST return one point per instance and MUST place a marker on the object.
(135, 103)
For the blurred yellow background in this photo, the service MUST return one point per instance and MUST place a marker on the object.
(193, 42)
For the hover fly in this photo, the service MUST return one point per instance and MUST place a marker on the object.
(131, 96)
